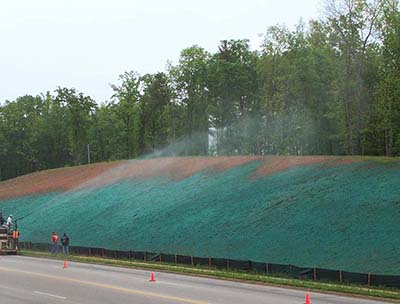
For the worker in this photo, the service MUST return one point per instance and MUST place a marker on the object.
(16, 237)
(9, 222)
(65, 244)
(54, 239)
(1, 219)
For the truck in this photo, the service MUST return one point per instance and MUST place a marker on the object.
(8, 245)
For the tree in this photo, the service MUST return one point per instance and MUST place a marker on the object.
(297, 70)
(19, 136)
(155, 113)
(189, 79)
(354, 24)
(107, 133)
(126, 100)
(78, 118)
(234, 95)
(386, 133)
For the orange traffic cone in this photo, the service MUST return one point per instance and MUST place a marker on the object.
(152, 277)
(308, 301)
(65, 264)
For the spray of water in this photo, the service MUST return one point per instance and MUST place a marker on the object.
(242, 138)
(154, 164)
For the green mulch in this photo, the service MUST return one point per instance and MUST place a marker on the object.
(342, 217)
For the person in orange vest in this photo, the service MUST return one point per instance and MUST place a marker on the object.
(54, 239)
(16, 237)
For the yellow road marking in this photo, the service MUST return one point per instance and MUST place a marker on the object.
(106, 286)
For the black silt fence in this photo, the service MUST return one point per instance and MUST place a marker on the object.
(239, 265)
(109, 253)
(152, 256)
(40, 246)
(259, 267)
(167, 258)
(356, 278)
(384, 280)
(303, 273)
(288, 270)
(328, 275)
(201, 261)
(96, 252)
(79, 250)
(183, 259)
(219, 263)
(306, 274)
(122, 254)
(138, 255)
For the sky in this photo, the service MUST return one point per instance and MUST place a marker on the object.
(87, 44)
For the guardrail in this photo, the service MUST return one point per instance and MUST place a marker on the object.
(291, 271)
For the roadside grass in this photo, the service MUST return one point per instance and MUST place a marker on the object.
(391, 294)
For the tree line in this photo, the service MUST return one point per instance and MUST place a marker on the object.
(330, 87)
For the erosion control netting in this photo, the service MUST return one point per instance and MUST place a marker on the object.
(343, 216)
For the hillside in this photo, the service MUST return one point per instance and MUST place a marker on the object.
(329, 212)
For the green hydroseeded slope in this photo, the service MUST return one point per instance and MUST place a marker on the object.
(340, 217)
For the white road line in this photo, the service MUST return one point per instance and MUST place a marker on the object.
(49, 295)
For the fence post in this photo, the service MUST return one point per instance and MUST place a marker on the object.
(369, 279)
(340, 277)
(160, 257)
(209, 261)
(145, 256)
(266, 268)
(315, 273)
(90, 251)
(191, 260)
(227, 263)
(176, 259)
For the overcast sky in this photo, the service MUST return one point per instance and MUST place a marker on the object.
(86, 44)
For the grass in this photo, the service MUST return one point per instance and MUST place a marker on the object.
(355, 290)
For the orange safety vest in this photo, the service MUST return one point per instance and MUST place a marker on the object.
(55, 238)
(15, 234)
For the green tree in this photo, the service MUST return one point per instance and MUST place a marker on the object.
(234, 96)
(19, 136)
(296, 70)
(386, 128)
(189, 79)
(354, 24)
(54, 145)
(127, 108)
(80, 109)
(155, 114)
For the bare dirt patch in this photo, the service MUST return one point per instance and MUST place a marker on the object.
(61, 179)
(176, 168)
(96, 175)
(274, 164)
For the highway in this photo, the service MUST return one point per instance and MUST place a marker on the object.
(41, 281)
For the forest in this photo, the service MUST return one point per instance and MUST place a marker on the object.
(327, 87)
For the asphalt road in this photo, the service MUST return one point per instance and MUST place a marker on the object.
(40, 281)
